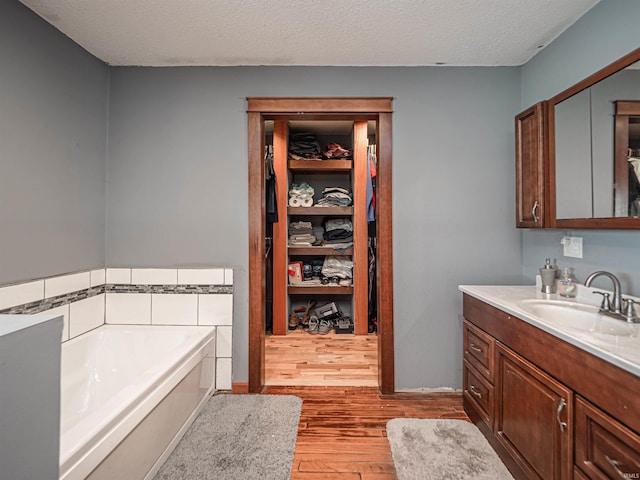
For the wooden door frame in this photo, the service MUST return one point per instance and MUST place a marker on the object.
(316, 107)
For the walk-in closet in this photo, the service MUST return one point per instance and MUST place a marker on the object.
(320, 217)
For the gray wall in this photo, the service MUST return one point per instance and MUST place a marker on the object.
(176, 180)
(604, 34)
(177, 186)
(53, 120)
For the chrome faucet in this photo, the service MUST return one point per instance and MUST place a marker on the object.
(615, 307)
(617, 296)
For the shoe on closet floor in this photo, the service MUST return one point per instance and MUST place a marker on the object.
(325, 326)
(305, 317)
(294, 319)
(314, 324)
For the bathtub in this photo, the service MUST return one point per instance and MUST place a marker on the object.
(128, 394)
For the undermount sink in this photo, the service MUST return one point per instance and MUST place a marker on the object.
(577, 316)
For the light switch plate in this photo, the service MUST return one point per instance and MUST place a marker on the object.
(572, 247)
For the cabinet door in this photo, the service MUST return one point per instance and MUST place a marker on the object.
(530, 167)
(533, 417)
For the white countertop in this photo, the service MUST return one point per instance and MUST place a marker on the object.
(623, 352)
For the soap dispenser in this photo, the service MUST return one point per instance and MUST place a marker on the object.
(566, 285)
(548, 276)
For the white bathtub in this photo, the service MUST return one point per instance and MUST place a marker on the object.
(128, 394)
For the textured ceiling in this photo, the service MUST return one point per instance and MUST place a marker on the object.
(312, 32)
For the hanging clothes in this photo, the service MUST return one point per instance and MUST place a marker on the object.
(271, 204)
(271, 217)
(371, 180)
(373, 299)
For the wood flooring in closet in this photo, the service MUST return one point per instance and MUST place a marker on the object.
(303, 359)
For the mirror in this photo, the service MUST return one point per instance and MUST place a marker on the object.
(592, 126)
(627, 158)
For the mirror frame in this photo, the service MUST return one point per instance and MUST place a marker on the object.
(621, 223)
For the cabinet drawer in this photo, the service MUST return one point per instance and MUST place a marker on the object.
(479, 392)
(478, 349)
(604, 447)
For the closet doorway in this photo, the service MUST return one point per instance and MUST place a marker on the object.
(362, 113)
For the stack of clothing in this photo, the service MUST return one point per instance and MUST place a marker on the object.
(301, 234)
(338, 268)
(304, 146)
(335, 150)
(335, 197)
(338, 233)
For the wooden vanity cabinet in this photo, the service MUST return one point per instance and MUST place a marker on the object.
(530, 167)
(552, 410)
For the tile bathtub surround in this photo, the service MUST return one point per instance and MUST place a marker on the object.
(224, 342)
(44, 294)
(169, 276)
(86, 315)
(12, 295)
(169, 309)
(144, 296)
(98, 277)
(146, 305)
(154, 276)
(118, 275)
(190, 289)
(128, 309)
(46, 304)
(215, 309)
(223, 373)
(56, 286)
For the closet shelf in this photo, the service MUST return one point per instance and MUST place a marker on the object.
(320, 210)
(319, 251)
(320, 166)
(320, 290)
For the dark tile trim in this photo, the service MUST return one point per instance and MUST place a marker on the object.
(194, 289)
(48, 303)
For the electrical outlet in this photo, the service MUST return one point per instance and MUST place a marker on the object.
(572, 247)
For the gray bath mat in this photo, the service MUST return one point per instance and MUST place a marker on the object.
(238, 437)
(437, 449)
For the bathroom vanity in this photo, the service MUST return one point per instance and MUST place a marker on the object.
(553, 385)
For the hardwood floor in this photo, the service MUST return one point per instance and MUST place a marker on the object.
(342, 430)
(300, 358)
